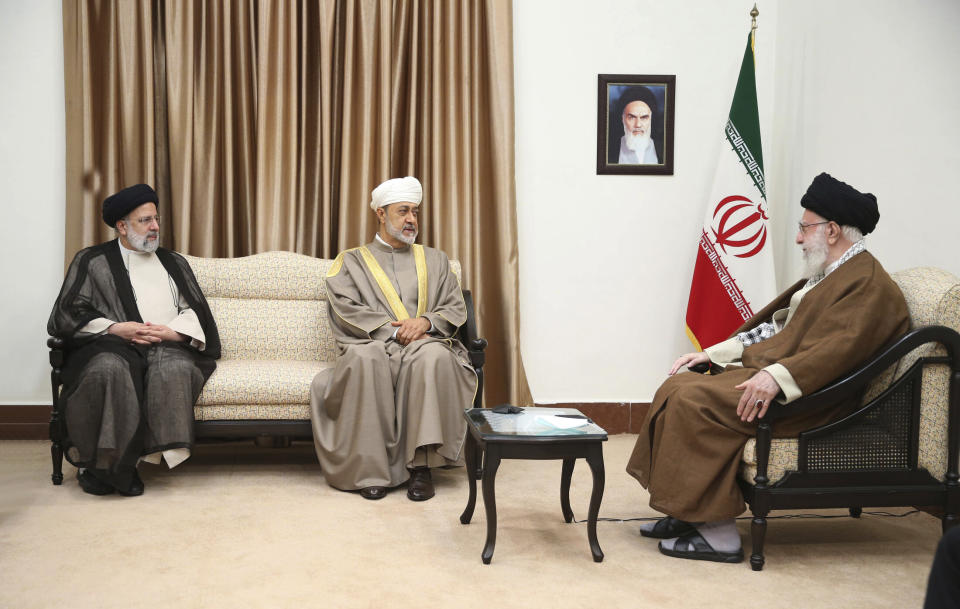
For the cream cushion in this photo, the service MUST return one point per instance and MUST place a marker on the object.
(933, 298)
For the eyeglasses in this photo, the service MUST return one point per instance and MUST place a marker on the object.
(803, 227)
(146, 220)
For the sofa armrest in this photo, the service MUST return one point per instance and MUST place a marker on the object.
(58, 350)
(475, 346)
(468, 335)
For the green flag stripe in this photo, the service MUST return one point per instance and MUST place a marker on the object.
(743, 128)
(753, 166)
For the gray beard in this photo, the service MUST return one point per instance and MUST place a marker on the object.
(637, 143)
(140, 243)
(815, 257)
(397, 233)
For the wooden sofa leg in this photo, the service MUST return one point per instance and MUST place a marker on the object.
(56, 455)
(758, 530)
(855, 512)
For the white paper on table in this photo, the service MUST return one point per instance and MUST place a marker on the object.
(562, 422)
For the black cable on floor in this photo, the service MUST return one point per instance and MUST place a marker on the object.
(778, 517)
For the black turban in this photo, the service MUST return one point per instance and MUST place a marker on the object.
(118, 205)
(638, 94)
(838, 201)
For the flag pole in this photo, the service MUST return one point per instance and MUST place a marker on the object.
(754, 13)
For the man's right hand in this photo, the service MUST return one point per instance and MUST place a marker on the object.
(688, 360)
(133, 332)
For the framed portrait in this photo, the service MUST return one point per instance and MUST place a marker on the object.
(635, 118)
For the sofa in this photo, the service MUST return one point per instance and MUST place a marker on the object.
(271, 312)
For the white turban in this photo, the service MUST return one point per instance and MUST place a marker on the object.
(406, 189)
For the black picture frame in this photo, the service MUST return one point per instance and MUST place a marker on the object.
(614, 91)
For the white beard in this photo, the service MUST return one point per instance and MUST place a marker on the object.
(815, 254)
(397, 233)
(637, 143)
(140, 242)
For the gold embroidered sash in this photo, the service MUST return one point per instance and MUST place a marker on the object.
(386, 287)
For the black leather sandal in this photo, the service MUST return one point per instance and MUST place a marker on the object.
(669, 527)
(695, 547)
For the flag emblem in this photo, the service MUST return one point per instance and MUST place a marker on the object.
(740, 226)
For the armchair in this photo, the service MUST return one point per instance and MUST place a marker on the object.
(900, 448)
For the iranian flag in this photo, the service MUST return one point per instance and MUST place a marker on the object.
(733, 276)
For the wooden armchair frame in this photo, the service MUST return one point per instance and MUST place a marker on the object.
(869, 458)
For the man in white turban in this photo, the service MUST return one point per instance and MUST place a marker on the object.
(392, 407)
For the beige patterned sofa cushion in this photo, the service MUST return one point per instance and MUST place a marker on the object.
(261, 382)
(271, 276)
(252, 412)
(933, 298)
(274, 329)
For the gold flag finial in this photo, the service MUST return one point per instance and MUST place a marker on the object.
(753, 17)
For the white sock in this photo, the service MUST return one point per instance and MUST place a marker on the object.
(722, 535)
(648, 526)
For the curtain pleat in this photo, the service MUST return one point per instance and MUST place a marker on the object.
(265, 124)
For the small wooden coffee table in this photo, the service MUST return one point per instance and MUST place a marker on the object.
(530, 435)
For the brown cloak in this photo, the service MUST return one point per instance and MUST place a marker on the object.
(689, 449)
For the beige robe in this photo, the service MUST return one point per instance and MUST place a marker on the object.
(690, 445)
(385, 407)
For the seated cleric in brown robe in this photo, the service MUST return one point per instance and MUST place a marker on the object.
(392, 407)
(688, 451)
(141, 342)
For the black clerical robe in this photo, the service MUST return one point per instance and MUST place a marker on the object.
(120, 400)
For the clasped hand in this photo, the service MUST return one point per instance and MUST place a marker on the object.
(144, 334)
(411, 329)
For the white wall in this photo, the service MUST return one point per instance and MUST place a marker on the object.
(606, 261)
(868, 90)
(32, 191)
(863, 89)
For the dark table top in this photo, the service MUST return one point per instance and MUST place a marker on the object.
(534, 424)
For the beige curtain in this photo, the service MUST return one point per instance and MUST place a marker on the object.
(264, 125)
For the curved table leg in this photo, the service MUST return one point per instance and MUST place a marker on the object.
(491, 462)
(565, 476)
(472, 455)
(595, 460)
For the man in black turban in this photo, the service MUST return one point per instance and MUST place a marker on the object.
(140, 342)
(689, 448)
(637, 118)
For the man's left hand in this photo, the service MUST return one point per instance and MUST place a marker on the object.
(411, 329)
(163, 332)
(758, 391)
